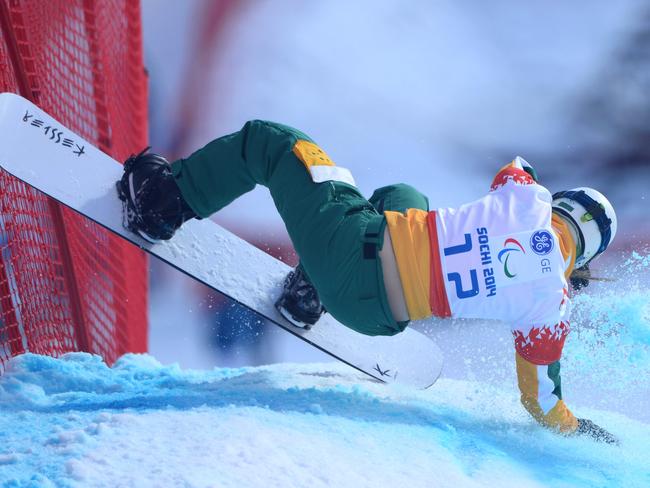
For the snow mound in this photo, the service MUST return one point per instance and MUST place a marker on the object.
(74, 421)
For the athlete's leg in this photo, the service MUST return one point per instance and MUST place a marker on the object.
(300, 302)
(326, 221)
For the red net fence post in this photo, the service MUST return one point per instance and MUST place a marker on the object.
(66, 284)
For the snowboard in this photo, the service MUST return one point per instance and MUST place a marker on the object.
(42, 152)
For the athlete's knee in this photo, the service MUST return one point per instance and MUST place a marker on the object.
(398, 198)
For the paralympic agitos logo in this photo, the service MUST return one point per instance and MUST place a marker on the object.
(509, 246)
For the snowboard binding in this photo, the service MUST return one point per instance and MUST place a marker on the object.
(299, 302)
(152, 204)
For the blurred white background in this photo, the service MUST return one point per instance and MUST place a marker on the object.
(435, 94)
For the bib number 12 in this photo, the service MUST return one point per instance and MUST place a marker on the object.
(456, 278)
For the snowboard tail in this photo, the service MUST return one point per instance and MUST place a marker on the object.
(80, 176)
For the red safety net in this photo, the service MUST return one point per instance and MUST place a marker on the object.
(66, 284)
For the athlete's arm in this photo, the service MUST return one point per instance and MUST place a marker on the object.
(538, 350)
(541, 395)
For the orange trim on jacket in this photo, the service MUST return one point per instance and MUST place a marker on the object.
(415, 244)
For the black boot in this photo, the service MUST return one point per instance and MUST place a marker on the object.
(152, 204)
(299, 302)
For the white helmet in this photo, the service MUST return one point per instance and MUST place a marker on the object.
(592, 217)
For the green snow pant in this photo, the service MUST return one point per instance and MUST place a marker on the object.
(335, 231)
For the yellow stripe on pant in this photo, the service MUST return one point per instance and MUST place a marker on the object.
(321, 168)
(311, 154)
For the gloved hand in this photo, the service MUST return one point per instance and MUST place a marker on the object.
(588, 428)
(580, 277)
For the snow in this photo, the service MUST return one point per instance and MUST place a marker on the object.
(74, 421)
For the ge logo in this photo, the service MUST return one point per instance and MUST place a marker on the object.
(541, 242)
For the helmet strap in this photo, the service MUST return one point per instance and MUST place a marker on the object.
(597, 213)
(575, 230)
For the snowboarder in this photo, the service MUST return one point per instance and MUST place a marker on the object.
(377, 264)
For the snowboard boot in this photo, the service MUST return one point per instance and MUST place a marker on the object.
(299, 302)
(152, 204)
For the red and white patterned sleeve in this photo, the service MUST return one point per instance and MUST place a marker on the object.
(538, 353)
(518, 171)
